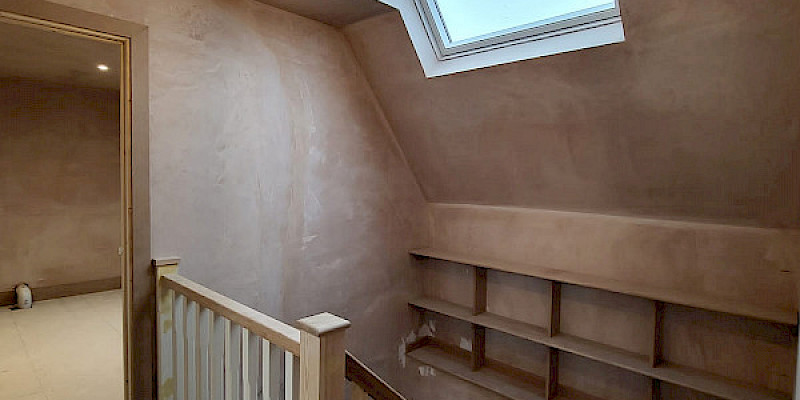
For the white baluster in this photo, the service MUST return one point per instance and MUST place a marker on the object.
(191, 351)
(204, 339)
(276, 360)
(233, 368)
(253, 362)
(245, 364)
(218, 358)
(265, 370)
(178, 318)
(292, 377)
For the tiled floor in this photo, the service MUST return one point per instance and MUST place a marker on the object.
(63, 349)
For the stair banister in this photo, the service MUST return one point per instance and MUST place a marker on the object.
(212, 347)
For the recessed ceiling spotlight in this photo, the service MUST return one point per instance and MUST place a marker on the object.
(103, 67)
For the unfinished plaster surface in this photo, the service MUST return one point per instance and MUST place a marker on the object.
(273, 173)
(694, 116)
(679, 146)
(59, 187)
(334, 12)
(711, 258)
(744, 264)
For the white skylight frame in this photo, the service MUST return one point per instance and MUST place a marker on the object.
(439, 56)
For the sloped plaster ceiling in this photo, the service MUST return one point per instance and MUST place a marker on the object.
(696, 116)
(332, 12)
(47, 56)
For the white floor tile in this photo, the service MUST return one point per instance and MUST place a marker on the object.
(63, 349)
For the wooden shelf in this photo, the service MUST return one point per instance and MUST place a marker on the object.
(486, 378)
(686, 377)
(728, 306)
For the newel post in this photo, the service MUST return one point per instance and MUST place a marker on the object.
(164, 302)
(322, 346)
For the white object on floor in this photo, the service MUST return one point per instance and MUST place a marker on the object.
(24, 296)
(63, 349)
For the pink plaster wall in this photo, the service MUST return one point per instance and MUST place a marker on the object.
(273, 172)
(746, 265)
(276, 178)
(696, 116)
(59, 185)
(676, 148)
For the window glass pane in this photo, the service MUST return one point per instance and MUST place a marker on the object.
(469, 19)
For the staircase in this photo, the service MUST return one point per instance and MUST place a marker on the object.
(213, 348)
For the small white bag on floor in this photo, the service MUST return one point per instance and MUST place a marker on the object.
(24, 296)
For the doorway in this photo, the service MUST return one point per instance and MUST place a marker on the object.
(66, 196)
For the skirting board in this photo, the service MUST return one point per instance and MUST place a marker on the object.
(70, 289)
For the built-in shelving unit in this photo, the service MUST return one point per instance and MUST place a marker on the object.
(651, 365)
(729, 306)
(487, 378)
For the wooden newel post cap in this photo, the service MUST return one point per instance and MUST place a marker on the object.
(166, 261)
(322, 324)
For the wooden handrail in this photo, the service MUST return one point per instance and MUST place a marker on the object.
(282, 335)
(368, 381)
(210, 346)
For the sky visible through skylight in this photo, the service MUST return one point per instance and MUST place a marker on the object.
(468, 19)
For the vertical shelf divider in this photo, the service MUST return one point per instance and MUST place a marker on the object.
(478, 347)
(652, 366)
(478, 307)
(657, 353)
(551, 383)
(553, 329)
(655, 389)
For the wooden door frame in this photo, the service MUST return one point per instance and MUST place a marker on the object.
(138, 284)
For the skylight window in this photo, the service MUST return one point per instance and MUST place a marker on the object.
(468, 20)
(458, 35)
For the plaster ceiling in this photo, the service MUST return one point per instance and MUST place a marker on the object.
(332, 12)
(32, 53)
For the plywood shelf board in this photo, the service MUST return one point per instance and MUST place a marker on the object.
(686, 377)
(494, 381)
(486, 378)
(568, 394)
(633, 289)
